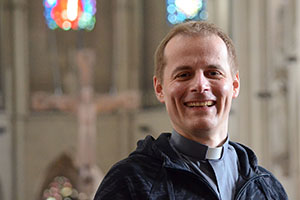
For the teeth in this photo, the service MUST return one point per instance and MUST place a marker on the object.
(200, 104)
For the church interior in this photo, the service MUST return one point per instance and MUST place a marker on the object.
(72, 95)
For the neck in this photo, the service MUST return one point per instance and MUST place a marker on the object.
(207, 137)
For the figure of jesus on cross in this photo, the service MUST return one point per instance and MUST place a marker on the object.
(87, 105)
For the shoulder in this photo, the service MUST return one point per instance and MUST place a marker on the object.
(247, 158)
(269, 179)
(131, 178)
(272, 184)
(136, 165)
(134, 176)
(249, 168)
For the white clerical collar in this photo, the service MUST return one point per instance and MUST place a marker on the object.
(195, 149)
(214, 153)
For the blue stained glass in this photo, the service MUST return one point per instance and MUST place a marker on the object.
(52, 25)
(181, 17)
(172, 19)
(203, 15)
(171, 8)
(201, 4)
(88, 8)
(177, 15)
(50, 3)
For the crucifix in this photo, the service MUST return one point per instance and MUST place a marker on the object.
(86, 106)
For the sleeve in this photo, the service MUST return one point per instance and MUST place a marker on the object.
(274, 187)
(125, 180)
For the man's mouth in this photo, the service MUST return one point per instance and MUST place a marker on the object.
(200, 103)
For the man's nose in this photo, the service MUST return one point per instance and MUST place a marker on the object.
(200, 83)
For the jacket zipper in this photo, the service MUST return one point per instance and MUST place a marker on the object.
(246, 185)
(208, 185)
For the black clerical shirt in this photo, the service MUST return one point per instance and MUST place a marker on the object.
(218, 165)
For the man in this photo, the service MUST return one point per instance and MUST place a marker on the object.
(196, 77)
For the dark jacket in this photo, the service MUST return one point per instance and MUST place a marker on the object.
(154, 171)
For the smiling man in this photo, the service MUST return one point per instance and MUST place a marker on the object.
(196, 77)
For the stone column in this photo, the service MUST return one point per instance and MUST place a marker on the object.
(219, 13)
(249, 30)
(240, 35)
(127, 24)
(6, 61)
(262, 34)
(19, 91)
(295, 104)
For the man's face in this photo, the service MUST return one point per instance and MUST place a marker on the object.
(198, 85)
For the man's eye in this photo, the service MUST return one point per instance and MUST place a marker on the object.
(214, 73)
(183, 75)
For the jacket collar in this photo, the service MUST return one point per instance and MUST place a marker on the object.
(163, 150)
(196, 150)
(247, 159)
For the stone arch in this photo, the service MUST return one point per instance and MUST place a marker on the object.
(64, 169)
(64, 166)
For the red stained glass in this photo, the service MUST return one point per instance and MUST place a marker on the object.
(60, 15)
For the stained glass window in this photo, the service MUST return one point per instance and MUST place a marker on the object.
(70, 14)
(181, 10)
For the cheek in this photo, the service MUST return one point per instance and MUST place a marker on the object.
(176, 91)
(226, 89)
(224, 92)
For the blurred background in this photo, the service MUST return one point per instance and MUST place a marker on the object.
(42, 81)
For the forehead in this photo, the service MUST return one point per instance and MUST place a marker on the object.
(183, 48)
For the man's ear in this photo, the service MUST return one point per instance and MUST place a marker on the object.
(158, 89)
(236, 85)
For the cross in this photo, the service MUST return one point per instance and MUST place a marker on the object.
(87, 105)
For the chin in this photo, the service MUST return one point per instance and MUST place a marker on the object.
(203, 125)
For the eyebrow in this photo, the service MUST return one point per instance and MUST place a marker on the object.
(218, 67)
